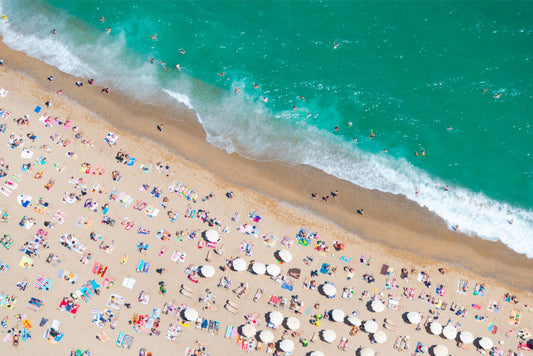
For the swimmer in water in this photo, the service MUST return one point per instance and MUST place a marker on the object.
(336, 129)
(308, 114)
(335, 45)
(182, 51)
(422, 153)
(265, 99)
(350, 123)
(163, 63)
(152, 61)
(101, 19)
(154, 37)
(372, 135)
(221, 74)
(178, 67)
(237, 90)
(54, 31)
(256, 86)
(497, 95)
(294, 107)
(108, 30)
(301, 97)
(484, 91)
(355, 139)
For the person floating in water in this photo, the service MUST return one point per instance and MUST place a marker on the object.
(422, 152)
(101, 19)
(497, 95)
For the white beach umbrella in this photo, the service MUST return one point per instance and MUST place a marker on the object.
(266, 336)
(275, 317)
(367, 351)
(435, 328)
(414, 317)
(239, 264)
(371, 326)
(354, 321)
(207, 271)
(337, 315)
(248, 330)
(440, 350)
(377, 306)
(329, 289)
(286, 345)
(316, 353)
(293, 323)
(273, 270)
(190, 314)
(258, 268)
(285, 255)
(212, 235)
(328, 335)
(449, 332)
(380, 337)
(486, 343)
(466, 337)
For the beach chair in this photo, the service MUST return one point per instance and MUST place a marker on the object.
(128, 340)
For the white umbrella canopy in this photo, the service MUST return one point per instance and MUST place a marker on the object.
(486, 343)
(329, 335)
(337, 315)
(377, 306)
(329, 289)
(273, 270)
(440, 350)
(266, 336)
(285, 255)
(258, 268)
(293, 323)
(371, 326)
(190, 314)
(435, 328)
(466, 337)
(286, 345)
(367, 351)
(207, 271)
(414, 317)
(316, 353)
(212, 235)
(449, 332)
(248, 330)
(354, 321)
(239, 264)
(380, 337)
(275, 317)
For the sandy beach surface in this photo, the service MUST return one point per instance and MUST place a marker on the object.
(93, 217)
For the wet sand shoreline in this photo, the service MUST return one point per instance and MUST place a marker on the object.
(400, 226)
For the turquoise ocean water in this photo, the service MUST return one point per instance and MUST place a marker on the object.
(451, 78)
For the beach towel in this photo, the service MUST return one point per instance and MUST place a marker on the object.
(287, 287)
(37, 109)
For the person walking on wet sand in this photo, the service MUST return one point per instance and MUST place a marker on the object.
(160, 127)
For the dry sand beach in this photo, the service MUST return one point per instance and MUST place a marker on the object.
(93, 217)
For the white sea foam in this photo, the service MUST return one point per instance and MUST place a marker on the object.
(244, 124)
